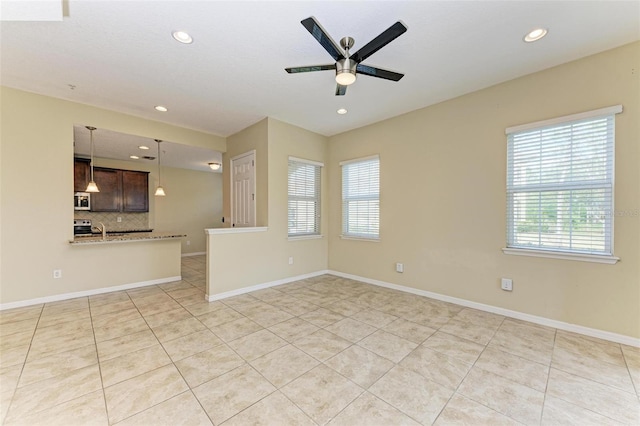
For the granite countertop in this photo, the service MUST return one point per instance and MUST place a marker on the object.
(125, 237)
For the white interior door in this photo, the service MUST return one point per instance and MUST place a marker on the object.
(243, 190)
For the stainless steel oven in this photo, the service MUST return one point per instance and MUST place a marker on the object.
(82, 227)
(82, 201)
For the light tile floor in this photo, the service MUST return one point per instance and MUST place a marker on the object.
(317, 351)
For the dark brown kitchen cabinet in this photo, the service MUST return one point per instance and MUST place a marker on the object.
(135, 191)
(81, 174)
(109, 182)
(120, 191)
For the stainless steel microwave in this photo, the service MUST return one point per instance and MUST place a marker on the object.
(82, 201)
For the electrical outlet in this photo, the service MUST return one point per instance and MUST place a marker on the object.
(188, 243)
(291, 260)
(400, 267)
(506, 284)
(119, 219)
(57, 273)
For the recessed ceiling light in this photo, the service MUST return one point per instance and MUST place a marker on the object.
(134, 157)
(161, 108)
(143, 147)
(342, 111)
(535, 35)
(182, 37)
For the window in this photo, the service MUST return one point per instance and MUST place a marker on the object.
(560, 184)
(304, 197)
(361, 198)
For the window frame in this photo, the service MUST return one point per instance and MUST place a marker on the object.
(317, 198)
(560, 253)
(345, 234)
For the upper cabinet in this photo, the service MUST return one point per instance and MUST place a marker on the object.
(109, 199)
(120, 190)
(80, 174)
(135, 191)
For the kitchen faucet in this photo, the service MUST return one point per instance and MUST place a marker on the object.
(103, 230)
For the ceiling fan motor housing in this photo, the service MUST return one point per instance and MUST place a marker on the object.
(346, 65)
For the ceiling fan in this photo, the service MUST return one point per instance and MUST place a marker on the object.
(347, 65)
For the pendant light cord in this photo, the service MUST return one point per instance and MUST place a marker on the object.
(91, 133)
(159, 180)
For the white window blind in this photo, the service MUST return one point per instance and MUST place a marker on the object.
(361, 198)
(304, 197)
(560, 185)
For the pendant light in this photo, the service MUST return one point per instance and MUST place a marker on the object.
(91, 187)
(159, 189)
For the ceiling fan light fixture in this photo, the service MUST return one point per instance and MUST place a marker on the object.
(346, 72)
(535, 35)
(215, 166)
(345, 78)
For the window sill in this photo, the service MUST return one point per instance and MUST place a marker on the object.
(370, 239)
(305, 237)
(611, 260)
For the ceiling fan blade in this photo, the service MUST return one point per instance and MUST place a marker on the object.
(323, 38)
(310, 68)
(341, 90)
(386, 37)
(378, 72)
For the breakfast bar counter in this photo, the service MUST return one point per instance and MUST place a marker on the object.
(125, 238)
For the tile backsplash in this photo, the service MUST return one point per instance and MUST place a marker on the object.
(130, 221)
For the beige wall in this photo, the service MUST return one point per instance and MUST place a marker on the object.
(286, 140)
(36, 176)
(443, 197)
(192, 204)
(254, 137)
(246, 259)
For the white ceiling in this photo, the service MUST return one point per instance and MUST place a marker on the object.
(120, 146)
(120, 55)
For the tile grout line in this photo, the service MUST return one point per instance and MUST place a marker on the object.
(276, 389)
(24, 363)
(155, 369)
(180, 372)
(506, 378)
(291, 343)
(455, 391)
(633, 383)
(95, 342)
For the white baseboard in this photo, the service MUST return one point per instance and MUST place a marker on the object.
(66, 296)
(262, 286)
(197, 253)
(560, 325)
